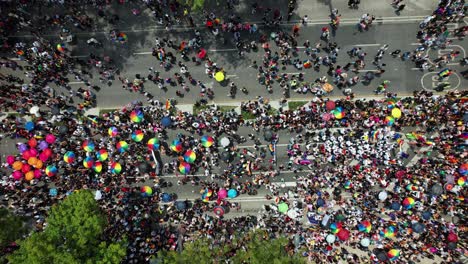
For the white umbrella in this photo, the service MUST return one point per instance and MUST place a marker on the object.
(383, 195)
(365, 242)
(34, 110)
(98, 195)
(225, 142)
(331, 238)
(292, 214)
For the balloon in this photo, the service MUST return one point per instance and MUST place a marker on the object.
(32, 142)
(25, 168)
(26, 154)
(17, 175)
(22, 147)
(17, 165)
(43, 157)
(32, 161)
(48, 152)
(37, 174)
(38, 164)
(10, 160)
(33, 152)
(42, 145)
(50, 138)
(29, 175)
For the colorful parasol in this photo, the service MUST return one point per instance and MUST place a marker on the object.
(408, 203)
(146, 191)
(463, 170)
(137, 136)
(336, 227)
(190, 156)
(219, 76)
(218, 210)
(116, 168)
(176, 146)
(61, 47)
(184, 167)
(97, 166)
(461, 181)
(102, 155)
(88, 162)
(396, 112)
(365, 226)
(69, 157)
(393, 254)
(338, 112)
(51, 170)
(153, 143)
(207, 141)
(88, 146)
(347, 185)
(388, 232)
(112, 131)
(389, 121)
(136, 116)
(122, 146)
(122, 37)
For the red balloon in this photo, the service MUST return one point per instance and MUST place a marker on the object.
(10, 159)
(32, 142)
(37, 174)
(17, 175)
(26, 168)
(26, 154)
(43, 157)
(47, 152)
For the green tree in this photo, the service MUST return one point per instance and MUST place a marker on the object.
(12, 228)
(258, 251)
(194, 5)
(73, 235)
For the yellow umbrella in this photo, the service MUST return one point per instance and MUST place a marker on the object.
(327, 87)
(396, 113)
(219, 76)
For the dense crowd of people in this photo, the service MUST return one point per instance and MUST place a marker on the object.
(355, 188)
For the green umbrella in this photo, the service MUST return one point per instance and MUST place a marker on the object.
(340, 217)
(282, 207)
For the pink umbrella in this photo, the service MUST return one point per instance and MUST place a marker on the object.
(222, 193)
(452, 237)
(326, 116)
(50, 138)
(305, 162)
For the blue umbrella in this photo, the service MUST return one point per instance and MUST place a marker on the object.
(166, 197)
(166, 121)
(418, 227)
(232, 193)
(320, 202)
(395, 206)
(181, 205)
(426, 215)
(53, 192)
(29, 126)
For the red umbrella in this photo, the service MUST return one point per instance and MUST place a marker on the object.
(218, 210)
(343, 235)
(330, 105)
(452, 237)
(202, 54)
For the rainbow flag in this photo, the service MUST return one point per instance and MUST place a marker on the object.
(375, 134)
(168, 104)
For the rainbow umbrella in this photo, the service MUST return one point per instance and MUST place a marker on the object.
(391, 104)
(69, 157)
(396, 112)
(389, 121)
(122, 146)
(51, 170)
(137, 136)
(408, 203)
(347, 185)
(184, 167)
(336, 227)
(146, 191)
(116, 168)
(153, 143)
(207, 141)
(388, 232)
(102, 155)
(365, 226)
(61, 47)
(136, 116)
(176, 146)
(461, 181)
(338, 112)
(88, 146)
(393, 254)
(463, 170)
(122, 37)
(88, 162)
(97, 166)
(112, 131)
(190, 156)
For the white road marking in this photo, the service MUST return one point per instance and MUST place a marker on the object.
(368, 70)
(220, 50)
(367, 45)
(72, 83)
(143, 53)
